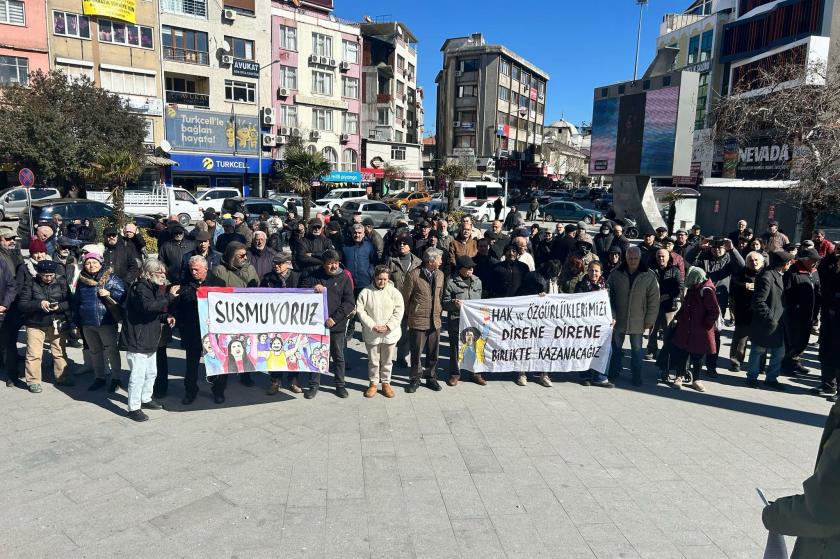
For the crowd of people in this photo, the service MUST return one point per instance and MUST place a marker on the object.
(680, 292)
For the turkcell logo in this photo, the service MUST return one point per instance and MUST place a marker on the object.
(209, 163)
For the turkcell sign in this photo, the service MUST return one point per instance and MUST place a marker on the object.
(245, 68)
(220, 164)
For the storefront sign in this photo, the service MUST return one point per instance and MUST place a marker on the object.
(468, 126)
(463, 152)
(187, 98)
(117, 9)
(343, 176)
(245, 68)
(211, 132)
(220, 164)
(507, 164)
(144, 105)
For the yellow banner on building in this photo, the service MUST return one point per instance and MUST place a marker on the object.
(118, 9)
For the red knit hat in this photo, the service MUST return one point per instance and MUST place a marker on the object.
(37, 245)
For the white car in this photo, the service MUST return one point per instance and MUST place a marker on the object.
(337, 196)
(483, 211)
(215, 197)
(14, 200)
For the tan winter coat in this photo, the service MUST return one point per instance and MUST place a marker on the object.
(380, 306)
(423, 300)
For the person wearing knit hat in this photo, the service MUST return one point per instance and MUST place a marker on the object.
(695, 332)
(37, 245)
(767, 329)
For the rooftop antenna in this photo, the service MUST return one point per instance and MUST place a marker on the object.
(641, 4)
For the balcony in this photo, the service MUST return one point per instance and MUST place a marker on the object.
(199, 100)
(672, 22)
(186, 56)
(384, 98)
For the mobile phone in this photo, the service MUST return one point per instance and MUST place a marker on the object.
(54, 306)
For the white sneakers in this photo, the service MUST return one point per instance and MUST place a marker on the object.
(522, 380)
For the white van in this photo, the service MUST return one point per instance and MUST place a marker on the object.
(338, 196)
(467, 191)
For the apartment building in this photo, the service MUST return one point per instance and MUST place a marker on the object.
(391, 104)
(23, 40)
(215, 58)
(491, 106)
(316, 83)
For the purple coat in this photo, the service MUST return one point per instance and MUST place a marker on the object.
(695, 332)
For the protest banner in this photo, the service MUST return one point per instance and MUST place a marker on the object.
(245, 329)
(550, 333)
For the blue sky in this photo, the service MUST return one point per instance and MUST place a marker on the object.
(580, 44)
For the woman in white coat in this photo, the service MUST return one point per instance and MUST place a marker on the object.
(380, 309)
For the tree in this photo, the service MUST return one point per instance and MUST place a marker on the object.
(392, 173)
(113, 170)
(795, 104)
(451, 171)
(301, 168)
(58, 126)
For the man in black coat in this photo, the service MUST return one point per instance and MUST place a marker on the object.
(602, 241)
(331, 277)
(802, 307)
(172, 252)
(670, 287)
(311, 247)
(485, 261)
(186, 314)
(10, 255)
(229, 236)
(202, 248)
(120, 256)
(767, 327)
(508, 275)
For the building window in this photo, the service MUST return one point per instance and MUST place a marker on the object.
(398, 153)
(12, 12)
(400, 62)
(322, 119)
(288, 115)
(621, 89)
(504, 68)
(501, 118)
(541, 88)
(350, 160)
(504, 93)
(525, 78)
(514, 72)
(351, 51)
(400, 88)
(322, 45)
(350, 123)
(67, 24)
(350, 87)
(399, 136)
(465, 141)
(242, 92)
(311, 149)
(470, 65)
(75, 71)
(241, 48)
(702, 97)
(14, 69)
(693, 49)
(322, 83)
(185, 45)
(467, 117)
(288, 77)
(128, 34)
(197, 8)
(288, 38)
(706, 45)
(666, 81)
(149, 138)
(411, 71)
(467, 91)
(400, 112)
(331, 157)
(180, 84)
(383, 116)
(128, 82)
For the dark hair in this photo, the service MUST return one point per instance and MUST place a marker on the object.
(231, 249)
(247, 364)
(330, 254)
(381, 269)
(575, 264)
(552, 268)
(475, 331)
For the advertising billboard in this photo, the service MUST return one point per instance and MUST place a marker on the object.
(123, 10)
(206, 131)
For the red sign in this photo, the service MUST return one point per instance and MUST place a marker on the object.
(26, 177)
(370, 175)
(533, 94)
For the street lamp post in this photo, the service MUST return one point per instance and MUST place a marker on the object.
(641, 4)
(259, 120)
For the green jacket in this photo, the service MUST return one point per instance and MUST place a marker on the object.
(246, 277)
(814, 517)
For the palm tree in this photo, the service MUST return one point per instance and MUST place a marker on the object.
(301, 169)
(113, 170)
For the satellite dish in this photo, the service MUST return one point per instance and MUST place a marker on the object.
(399, 30)
(165, 146)
(225, 46)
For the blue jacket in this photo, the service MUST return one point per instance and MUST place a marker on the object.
(360, 259)
(88, 307)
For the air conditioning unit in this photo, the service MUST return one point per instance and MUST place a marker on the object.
(313, 59)
(457, 124)
(269, 140)
(227, 59)
(344, 66)
(280, 141)
(344, 138)
(295, 132)
(285, 131)
(268, 116)
(282, 92)
(314, 135)
(229, 14)
(323, 60)
(333, 63)
(459, 73)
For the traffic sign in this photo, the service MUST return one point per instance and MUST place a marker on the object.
(26, 177)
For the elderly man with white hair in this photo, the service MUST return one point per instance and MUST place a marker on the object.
(145, 312)
(260, 254)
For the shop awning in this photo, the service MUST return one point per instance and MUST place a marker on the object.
(157, 161)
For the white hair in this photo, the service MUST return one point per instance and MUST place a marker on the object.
(431, 254)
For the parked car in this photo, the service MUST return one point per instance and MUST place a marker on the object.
(15, 200)
(554, 196)
(580, 194)
(596, 192)
(405, 200)
(514, 196)
(482, 211)
(213, 197)
(379, 212)
(337, 196)
(70, 209)
(253, 207)
(604, 202)
(568, 211)
(165, 200)
(429, 207)
(284, 198)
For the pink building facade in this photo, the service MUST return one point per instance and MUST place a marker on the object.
(23, 41)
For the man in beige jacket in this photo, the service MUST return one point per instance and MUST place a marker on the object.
(422, 292)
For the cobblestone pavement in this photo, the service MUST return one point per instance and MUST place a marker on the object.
(498, 471)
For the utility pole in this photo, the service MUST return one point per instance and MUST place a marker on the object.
(641, 4)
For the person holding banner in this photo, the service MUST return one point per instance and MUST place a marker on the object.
(422, 293)
(462, 286)
(634, 298)
(380, 309)
(330, 277)
(508, 275)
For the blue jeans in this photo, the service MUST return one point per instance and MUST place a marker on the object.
(636, 355)
(143, 367)
(757, 354)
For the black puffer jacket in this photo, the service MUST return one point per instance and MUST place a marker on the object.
(122, 259)
(186, 309)
(273, 279)
(670, 285)
(340, 302)
(507, 278)
(741, 297)
(314, 246)
(172, 255)
(34, 292)
(146, 310)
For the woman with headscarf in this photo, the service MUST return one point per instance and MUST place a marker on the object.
(695, 331)
(741, 296)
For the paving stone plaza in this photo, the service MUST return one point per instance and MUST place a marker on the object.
(495, 471)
